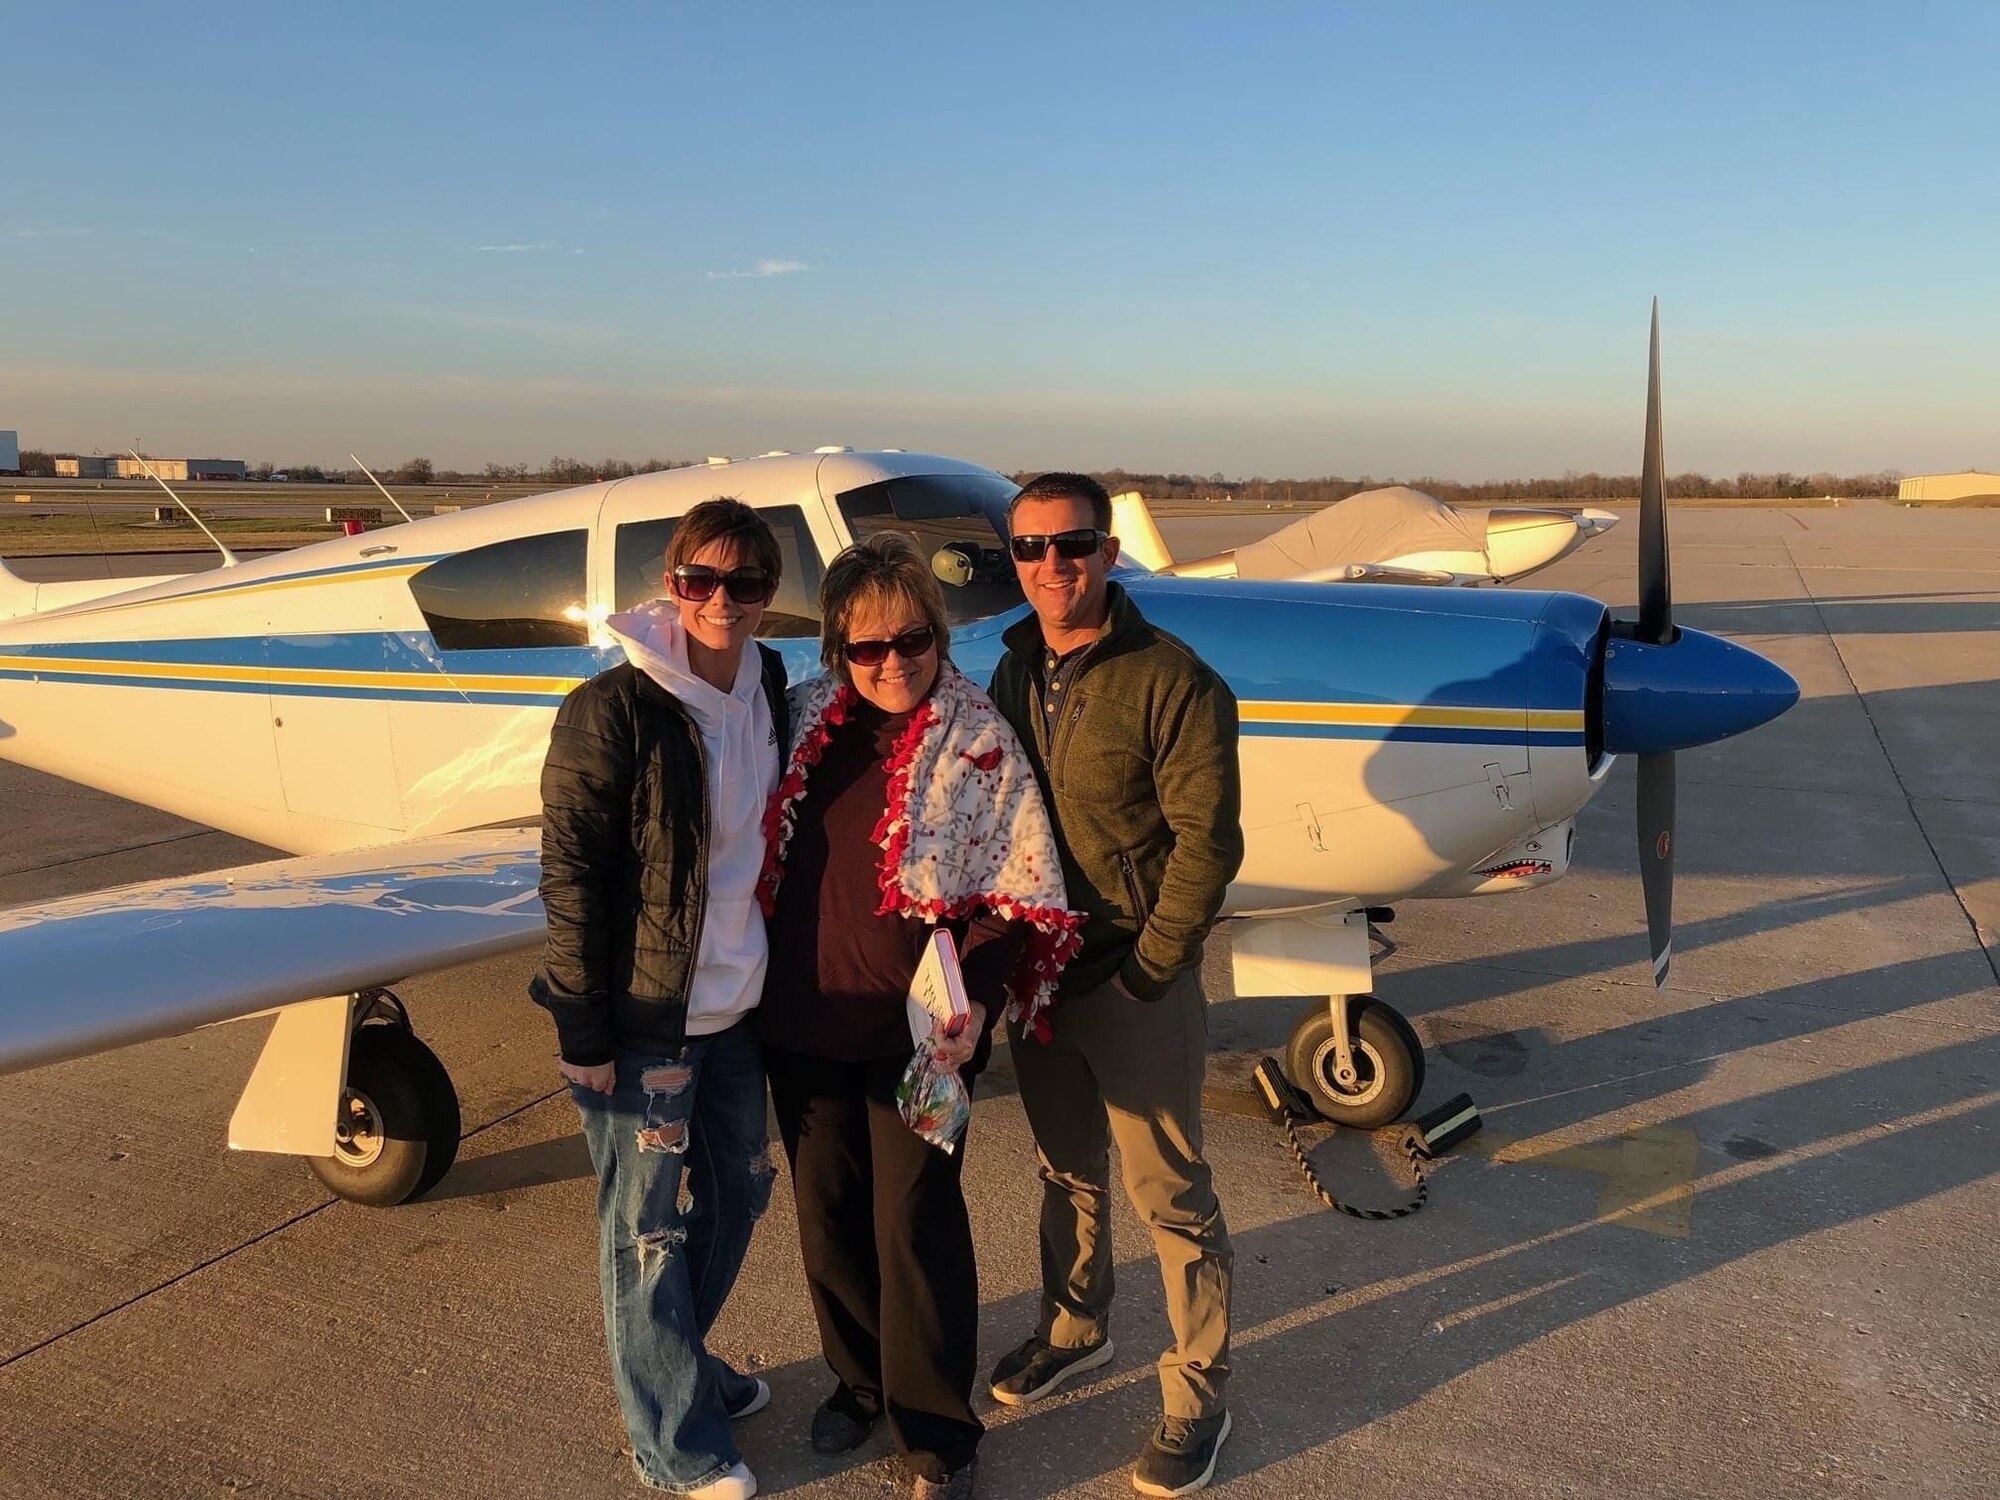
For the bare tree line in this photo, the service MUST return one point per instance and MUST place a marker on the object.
(558, 471)
(1570, 486)
(1777, 485)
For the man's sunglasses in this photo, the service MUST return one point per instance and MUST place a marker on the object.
(696, 584)
(910, 645)
(1069, 544)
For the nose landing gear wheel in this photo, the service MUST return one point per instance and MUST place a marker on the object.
(397, 1134)
(1388, 1063)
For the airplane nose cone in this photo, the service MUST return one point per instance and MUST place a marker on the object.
(1694, 690)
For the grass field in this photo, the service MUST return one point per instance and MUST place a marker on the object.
(215, 495)
(115, 531)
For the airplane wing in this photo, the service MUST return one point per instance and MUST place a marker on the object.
(96, 971)
(1377, 573)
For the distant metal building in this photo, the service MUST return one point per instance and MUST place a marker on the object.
(217, 468)
(1948, 486)
(168, 469)
(10, 452)
(70, 466)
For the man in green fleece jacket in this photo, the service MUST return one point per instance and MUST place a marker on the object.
(1133, 738)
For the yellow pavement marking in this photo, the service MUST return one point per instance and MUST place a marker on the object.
(1648, 1173)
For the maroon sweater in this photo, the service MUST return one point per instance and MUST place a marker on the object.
(839, 973)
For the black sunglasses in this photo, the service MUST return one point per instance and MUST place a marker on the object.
(696, 584)
(910, 645)
(1071, 544)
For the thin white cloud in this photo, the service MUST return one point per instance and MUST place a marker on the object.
(513, 249)
(762, 268)
(44, 234)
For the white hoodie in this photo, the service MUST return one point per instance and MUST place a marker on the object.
(740, 743)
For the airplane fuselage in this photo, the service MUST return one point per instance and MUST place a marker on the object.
(1396, 741)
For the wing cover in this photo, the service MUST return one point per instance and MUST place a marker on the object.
(97, 971)
(1366, 528)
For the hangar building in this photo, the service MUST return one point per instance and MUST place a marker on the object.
(1948, 486)
(10, 452)
(181, 468)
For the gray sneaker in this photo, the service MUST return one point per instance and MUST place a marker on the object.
(837, 1427)
(1180, 1455)
(1038, 1367)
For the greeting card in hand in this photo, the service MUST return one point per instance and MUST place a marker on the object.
(937, 1005)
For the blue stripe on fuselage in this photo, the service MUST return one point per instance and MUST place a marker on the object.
(1274, 643)
(1362, 643)
(1410, 734)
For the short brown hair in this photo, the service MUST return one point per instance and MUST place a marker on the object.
(1065, 486)
(889, 566)
(725, 519)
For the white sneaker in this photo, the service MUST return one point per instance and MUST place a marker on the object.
(738, 1484)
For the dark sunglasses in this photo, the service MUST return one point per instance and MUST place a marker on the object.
(696, 584)
(1070, 544)
(910, 645)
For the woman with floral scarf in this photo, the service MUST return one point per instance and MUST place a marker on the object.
(906, 803)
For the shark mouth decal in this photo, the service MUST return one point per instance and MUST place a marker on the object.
(1516, 869)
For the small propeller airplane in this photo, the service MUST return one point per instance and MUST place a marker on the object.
(380, 705)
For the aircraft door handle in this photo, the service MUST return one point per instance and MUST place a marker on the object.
(1497, 779)
(1313, 834)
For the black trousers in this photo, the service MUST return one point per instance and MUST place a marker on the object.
(888, 1253)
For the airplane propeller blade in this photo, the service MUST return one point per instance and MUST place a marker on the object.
(1656, 856)
(1656, 609)
(1656, 626)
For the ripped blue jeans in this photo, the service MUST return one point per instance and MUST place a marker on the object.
(683, 1173)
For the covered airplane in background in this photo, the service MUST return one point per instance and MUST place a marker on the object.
(381, 704)
(1392, 535)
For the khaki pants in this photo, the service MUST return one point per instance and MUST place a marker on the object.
(1137, 1066)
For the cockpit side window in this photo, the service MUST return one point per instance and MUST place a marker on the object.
(640, 554)
(523, 593)
(955, 519)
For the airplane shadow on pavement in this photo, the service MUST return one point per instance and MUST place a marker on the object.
(1321, 1353)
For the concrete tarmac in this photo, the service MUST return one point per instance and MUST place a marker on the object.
(1736, 1239)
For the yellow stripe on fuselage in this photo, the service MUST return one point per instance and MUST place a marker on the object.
(1418, 715)
(168, 673)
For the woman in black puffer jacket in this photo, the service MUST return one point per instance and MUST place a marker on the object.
(652, 842)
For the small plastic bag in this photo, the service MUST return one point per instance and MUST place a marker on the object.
(933, 1100)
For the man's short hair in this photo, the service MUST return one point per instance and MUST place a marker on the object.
(1064, 486)
(725, 519)
(886, 566)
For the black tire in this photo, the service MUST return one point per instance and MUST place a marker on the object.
(400, 1115)
(1387, 1055)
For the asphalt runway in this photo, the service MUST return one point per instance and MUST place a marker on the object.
(1736, 1239)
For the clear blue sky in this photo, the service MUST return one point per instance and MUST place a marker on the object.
(1260, 239)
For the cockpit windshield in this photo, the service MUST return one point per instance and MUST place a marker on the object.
(956, 520)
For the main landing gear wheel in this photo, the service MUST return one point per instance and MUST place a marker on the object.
(398, 1130)
(1388, 1063)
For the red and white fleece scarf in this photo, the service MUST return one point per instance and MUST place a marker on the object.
(964, 827)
